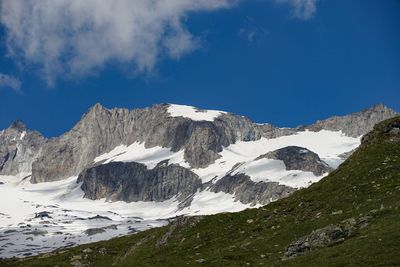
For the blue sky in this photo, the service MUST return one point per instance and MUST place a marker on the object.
(264, 59)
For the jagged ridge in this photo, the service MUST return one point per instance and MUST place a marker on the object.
(366, 185)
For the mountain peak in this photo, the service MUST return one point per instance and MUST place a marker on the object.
(380, 108)
(18, 125)
(97, 107)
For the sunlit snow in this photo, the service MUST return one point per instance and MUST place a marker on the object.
(72, 215)
(193, 113)
(139, 153)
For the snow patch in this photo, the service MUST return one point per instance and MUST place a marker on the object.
(193, 113)
(327, 144)
(207, 203)
(269, 170)
(22, 135)
(139, 153)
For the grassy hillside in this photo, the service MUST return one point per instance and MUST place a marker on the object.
(368, 183)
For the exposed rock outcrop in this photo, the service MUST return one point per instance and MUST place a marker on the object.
(247, 191)
(100, 130)
(326, 236)
(355, 124)
(299, 158)
(132, 181)
(19, 148)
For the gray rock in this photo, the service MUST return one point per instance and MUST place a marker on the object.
(389, 130)
(132, 181)
(299, 158)
(95, 231)
(99, 217)
(87, 250)
(100, 130)
(36, 232)
(247, 191)
(355, 124)
(19, 148)
(326, 236)
(42, 214)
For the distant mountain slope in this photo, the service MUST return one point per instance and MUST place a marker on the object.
(200, 134)
(145, 166)
(351, 215)
(101, 130)
(355, 124)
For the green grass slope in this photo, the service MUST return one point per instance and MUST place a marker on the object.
(368, 183)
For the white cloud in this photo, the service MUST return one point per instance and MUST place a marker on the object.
(10, 82)
(302, 9)
(74, 38)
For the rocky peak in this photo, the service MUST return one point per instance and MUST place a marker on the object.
(380, 108)
(101, 130)
(94, 111)
(355, 124)
(97, 107)
(18, 125)
(19, 147)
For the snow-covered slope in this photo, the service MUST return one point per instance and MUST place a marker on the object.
(36, 218)
(327, 144)
(23, 234)
(214, 146)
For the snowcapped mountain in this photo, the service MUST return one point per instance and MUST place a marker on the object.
(118, 171)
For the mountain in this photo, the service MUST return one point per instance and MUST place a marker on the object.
(349, 218)
(100, 130)
(200, 135)
(355, 124)
(119, 171)
(19, 148)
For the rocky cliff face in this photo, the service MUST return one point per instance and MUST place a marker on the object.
(299, 158)
(101, 129)
(134, 182)
(355, 124)
(19, 148)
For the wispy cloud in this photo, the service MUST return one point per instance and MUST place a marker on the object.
(8, 81)
(74, 38)
(251, 31)
(301, 9)
(69, 39)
